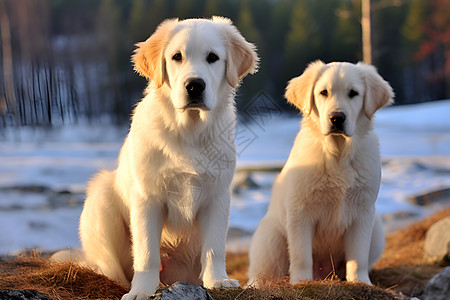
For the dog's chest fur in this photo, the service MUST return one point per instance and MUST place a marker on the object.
(334, 199)
(335, 205)
(204, 172)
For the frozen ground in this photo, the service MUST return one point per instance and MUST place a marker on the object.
(43, 174)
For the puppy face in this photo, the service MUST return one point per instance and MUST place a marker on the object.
(199, 61)
(337, 96)
(195, 60)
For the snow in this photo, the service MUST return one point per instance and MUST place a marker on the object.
(55, 165)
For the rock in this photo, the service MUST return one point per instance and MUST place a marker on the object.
(181, 290)
(437, 241)
(22, 295)
(438, 288)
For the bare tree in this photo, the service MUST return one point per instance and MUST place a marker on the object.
(366, 31)
(8, 73)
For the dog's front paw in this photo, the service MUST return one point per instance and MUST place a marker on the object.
(144, 285)
(135, 296)
(224, 283)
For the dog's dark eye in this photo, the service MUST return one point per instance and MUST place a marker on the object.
(324, 93)
(212, 58)
(177, 56)
(353, 93)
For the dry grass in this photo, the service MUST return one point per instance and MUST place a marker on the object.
(57, 280)
(326, 289)
(401, 269)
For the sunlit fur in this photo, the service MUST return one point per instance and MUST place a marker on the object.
(321, 220)
(162, 215)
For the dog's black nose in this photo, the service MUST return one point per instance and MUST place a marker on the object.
(195, 88)
(337, 119)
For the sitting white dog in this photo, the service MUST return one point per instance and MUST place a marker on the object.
(321, 218)
(162, 215)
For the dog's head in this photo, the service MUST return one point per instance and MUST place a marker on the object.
(196, 59)
(338, 94)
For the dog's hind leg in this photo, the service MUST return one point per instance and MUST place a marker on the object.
(103, 232)
(269, 258)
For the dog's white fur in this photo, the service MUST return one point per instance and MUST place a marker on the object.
(322, 216)
(162, 215)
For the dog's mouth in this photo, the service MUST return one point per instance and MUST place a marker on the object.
(195, 106)
(336, 131)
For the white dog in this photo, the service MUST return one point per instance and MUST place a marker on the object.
(162, 215)
(321, 218)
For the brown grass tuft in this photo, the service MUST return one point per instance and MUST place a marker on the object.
(410, 280)
(57, 280)
(326, 289)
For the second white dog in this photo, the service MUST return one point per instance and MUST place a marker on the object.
(321, 218)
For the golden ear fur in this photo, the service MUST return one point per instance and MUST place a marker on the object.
(148, 58)
(242, 57)
(378, 91)
(299, 91)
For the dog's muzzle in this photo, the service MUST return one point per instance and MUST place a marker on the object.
(195, 88)
(337, 120)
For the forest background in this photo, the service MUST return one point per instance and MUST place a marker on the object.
(65, 61)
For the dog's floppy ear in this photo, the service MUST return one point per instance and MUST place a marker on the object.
(300, 89)
(148, 58)
(241, 55)
(378, 91)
